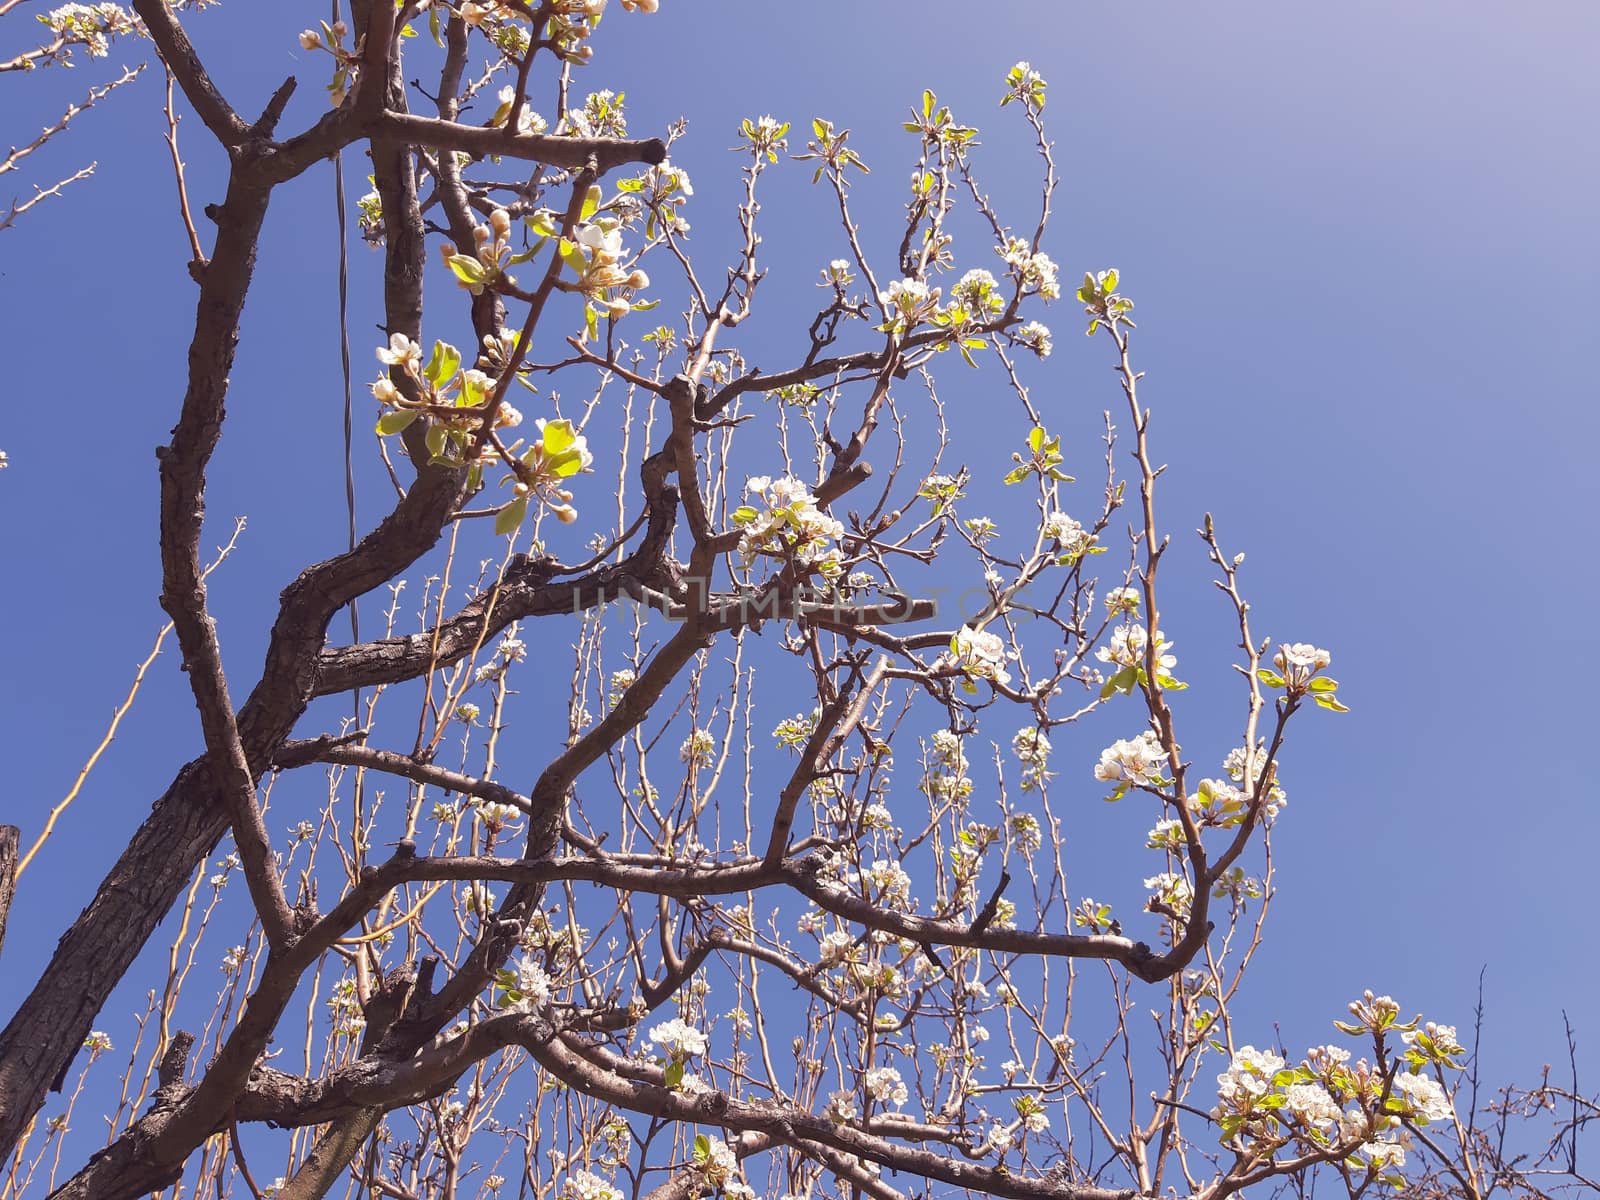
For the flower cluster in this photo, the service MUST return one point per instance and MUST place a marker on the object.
(946, 781)
(1032, 749)
(595, 256)
(698, 749)
(887, 884)
(663, 189)
(1132, 762)
(494, 815)
(1036, 337)
(1102, 302)
(1025, 84)
(1036, 272)
(1126, 654)
(91, 26)
(603, 114)
(943, 490)
(679, 1039)
(1171, 893)
(1123, 600)
(791, 733)
(619, 683)
(584, 1185)
(454, 401)
(884, 1085)
(974, 301)
(344, 1010)
(1327, 1101)
(1299, 673)
(526, 988)
(528, 121)
(790, 527)
(346, 63)
(765, 136)
(979, 655)
(1072, 538)
(907, 304)
(486, 265)
(1229, 800)
(720, 1166)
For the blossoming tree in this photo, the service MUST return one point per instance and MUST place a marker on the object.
(692, 956)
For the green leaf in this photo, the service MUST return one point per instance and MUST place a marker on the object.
(1269, 677)
(437, 436)
(675, 1078)
(573, 257)
(1324, 684)
(591, 202)
(1036, 438)
(467, 269)
(1331, 703)
(1123, 681)
(702, 1147)
(442, 363)
(1018, 474)
(394, 422)
(558, 436)
(510, 518)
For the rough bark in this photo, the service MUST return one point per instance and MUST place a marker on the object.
(9, 835)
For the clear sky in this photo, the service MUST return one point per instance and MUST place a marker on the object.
(1362, 242)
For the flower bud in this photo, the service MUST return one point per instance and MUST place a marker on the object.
(310, 39)
(340, 29)
(617, 309)
(638, 281)
(385, 392)
(500, 221)
(447, 251)
(565, 514)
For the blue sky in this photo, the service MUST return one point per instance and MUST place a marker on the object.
(1362, 243)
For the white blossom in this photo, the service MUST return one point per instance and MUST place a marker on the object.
(1247, 1079)
(1312, 1104)
(1139, 760)
(583, 1185)
(980, 655)
(885, 1085)
(1424, 1095)
(679, 1039)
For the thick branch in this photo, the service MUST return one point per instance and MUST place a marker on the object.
(569, 152)
(179, 54)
